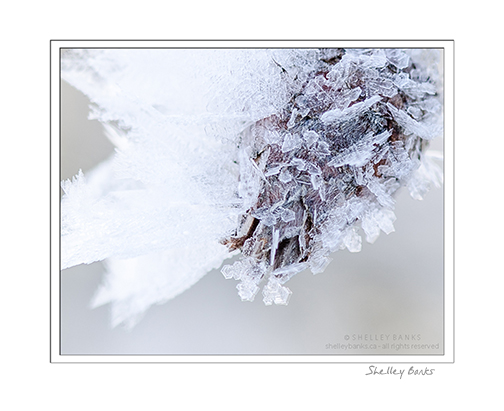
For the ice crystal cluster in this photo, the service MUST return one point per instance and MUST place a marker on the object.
(283, 155)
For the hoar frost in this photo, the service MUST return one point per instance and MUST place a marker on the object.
(283, 155)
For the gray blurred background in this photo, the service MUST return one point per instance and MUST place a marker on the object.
(389, 293)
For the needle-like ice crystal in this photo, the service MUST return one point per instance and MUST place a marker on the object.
(283, 155)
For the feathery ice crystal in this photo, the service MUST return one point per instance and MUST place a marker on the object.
(283, 155)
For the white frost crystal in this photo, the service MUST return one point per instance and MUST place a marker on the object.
(284, 155)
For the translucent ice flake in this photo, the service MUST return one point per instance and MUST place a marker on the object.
(412, 126)
(285, 176)
(385, 219)
(274, 245)
(370, 58)
(316, 181)
(267, 217)
(291, 142)
(352, 240)
(236, 271)
(398, 58)
(348, 96)
(272, 171)
(282, 155)
(247, 290)
(310, 137)
(283, 274)
(361, 152)
(370, 227)
(298, 163)
(429, 173)
(319, 263)
(338, 115)
(273, 292)
(228, 271)
(287, 215)
(292, 119)
(322, 149)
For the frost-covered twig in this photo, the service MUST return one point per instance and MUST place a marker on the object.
(283, 155)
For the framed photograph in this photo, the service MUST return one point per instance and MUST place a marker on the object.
(252, 201)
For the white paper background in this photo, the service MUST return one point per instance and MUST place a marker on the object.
(473, 380)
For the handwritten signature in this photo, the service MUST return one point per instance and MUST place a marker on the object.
(374, 370)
